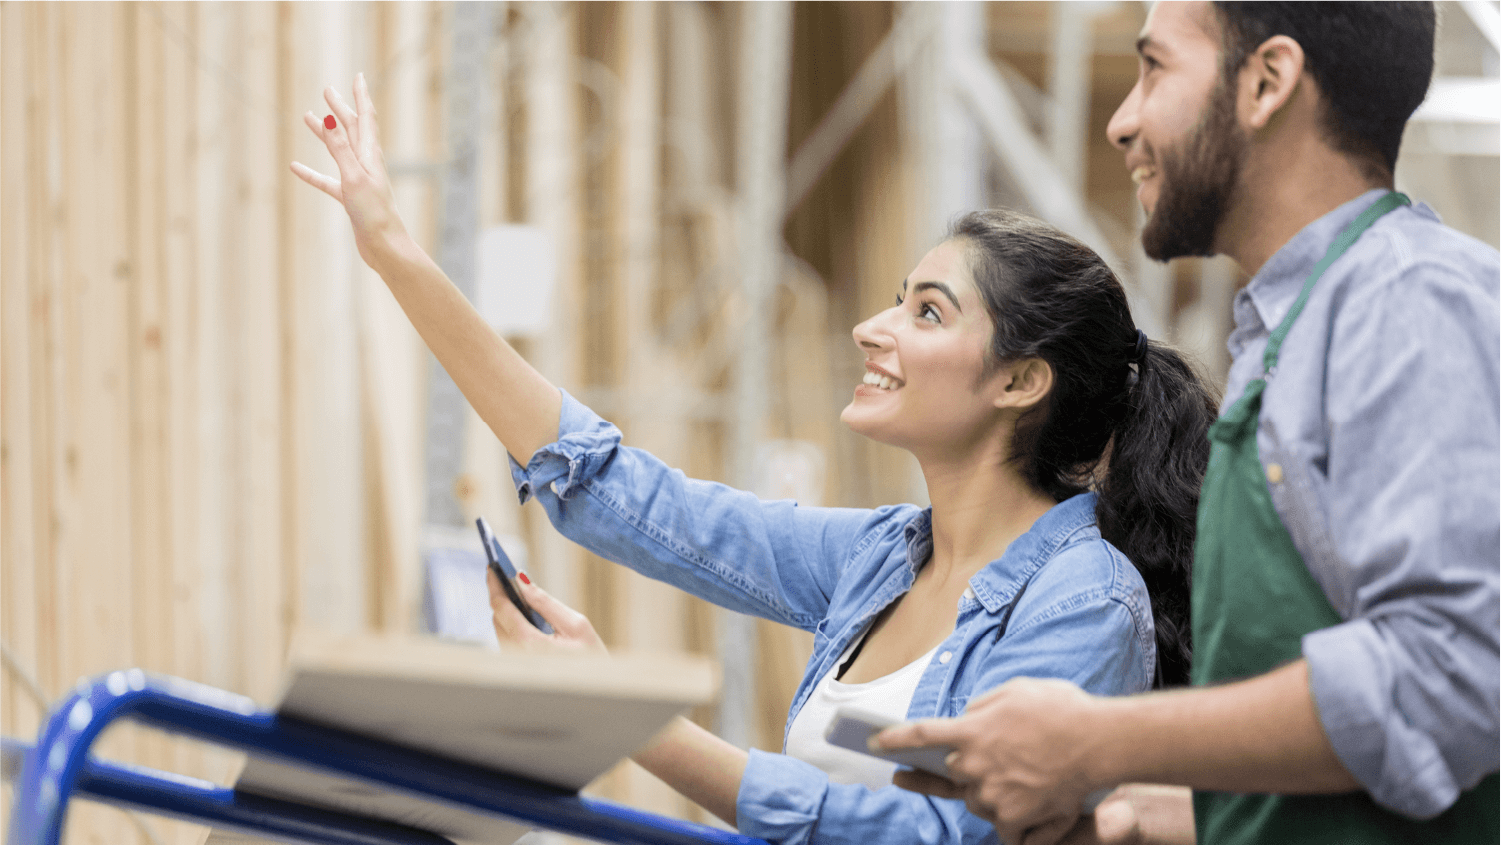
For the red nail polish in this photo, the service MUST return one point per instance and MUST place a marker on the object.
(328, 122)
(524, 579)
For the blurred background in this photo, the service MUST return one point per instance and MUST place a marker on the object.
(216, 427)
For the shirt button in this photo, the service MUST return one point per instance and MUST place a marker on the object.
(1274, 473)
(945, 657)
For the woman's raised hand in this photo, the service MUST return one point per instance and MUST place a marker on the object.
(362, 187)
(518, 404)
(571, 629)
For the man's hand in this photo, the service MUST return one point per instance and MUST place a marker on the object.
(1019, 758)
(1138, 814)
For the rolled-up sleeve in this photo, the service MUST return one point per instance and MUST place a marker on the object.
(1407, 688)
(772, 559)
(790, 802)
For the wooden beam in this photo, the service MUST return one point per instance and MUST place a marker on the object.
(257, 322)
(765, 61)
(21, 465)
(553, 202)
(885, 64)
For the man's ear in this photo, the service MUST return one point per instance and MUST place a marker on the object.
(1025, 384)
(1268, 80)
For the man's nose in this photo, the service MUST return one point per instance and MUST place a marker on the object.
(1123, 124)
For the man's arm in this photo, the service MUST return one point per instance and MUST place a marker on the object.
(1027, 753)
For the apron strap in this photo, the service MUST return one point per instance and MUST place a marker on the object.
(1341, 243)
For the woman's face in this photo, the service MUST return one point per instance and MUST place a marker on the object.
(924, 360)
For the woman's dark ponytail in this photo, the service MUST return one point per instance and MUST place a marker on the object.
(1127, 421)
(1149, 496)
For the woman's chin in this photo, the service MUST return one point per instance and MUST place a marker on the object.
(852, 417)
(856, 420)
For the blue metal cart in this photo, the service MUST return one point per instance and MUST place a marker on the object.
(59, 767)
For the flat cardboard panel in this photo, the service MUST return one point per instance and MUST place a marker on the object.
(556, 717)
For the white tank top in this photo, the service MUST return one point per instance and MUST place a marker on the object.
(890, 695)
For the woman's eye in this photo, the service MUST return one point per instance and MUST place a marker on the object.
(928, 312)
(899, 299)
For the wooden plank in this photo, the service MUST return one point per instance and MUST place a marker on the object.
(485, 487)
(652, 616)
(20, 188)
(214, 384)
(256, 408)
(180, 338)
(553, 202)
(649, 615)
(392, 355)
(144, 182)
(95, 543)
(95, 518)
(46, 349)
(181, 572)
(320, 269)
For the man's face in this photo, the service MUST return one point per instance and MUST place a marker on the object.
(1179, 132)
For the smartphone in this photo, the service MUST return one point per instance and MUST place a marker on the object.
(853, 727)
(505, 571)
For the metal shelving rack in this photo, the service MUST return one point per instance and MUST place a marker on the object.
(58, 768)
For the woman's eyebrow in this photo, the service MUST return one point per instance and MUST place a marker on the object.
(941, 288)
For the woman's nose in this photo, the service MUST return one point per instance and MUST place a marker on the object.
(874, 332)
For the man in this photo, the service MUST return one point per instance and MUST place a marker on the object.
(1345, 580)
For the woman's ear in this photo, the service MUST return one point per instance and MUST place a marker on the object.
(1024, 384)
(1268, 80)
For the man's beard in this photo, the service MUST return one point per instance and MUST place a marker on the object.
(1198, 181)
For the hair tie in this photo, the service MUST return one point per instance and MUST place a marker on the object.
(1139, 351)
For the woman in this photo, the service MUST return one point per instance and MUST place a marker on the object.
(1009, 366)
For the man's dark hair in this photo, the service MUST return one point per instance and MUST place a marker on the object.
(1371, 61)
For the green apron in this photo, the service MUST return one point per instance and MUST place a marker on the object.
(1254, 599)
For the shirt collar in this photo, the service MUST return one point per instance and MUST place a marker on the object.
(918, 533)
(1274, 288)
(998, 583)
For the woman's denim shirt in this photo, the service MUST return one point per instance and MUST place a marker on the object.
(1060, 603)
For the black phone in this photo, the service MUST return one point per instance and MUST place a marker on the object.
(506, 572)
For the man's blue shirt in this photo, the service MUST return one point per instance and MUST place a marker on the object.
(1382, 421)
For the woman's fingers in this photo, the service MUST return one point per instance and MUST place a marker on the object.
(508, 621)
(571, 625)
(365, 115)
(347, 120)
(559, 615)
(318, 180)
(342, 138)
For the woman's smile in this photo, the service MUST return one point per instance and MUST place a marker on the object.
(883, 381)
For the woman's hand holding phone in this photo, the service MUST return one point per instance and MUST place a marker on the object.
(571, 629)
